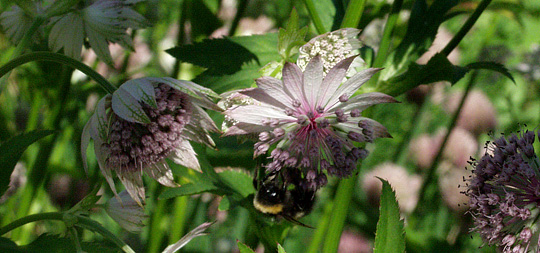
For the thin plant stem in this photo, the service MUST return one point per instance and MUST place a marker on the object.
(315, 17)
(384, 46)
(180, 37)
(339, 214)
(59, 58)
(75, 238)
(242, 6)
(321, 229)
(353, 14)
(81, 221)
(431, 171)
(179, 218)
(156, 231)
(37, 173)
(466, 27)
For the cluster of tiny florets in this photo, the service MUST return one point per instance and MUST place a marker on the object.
(332, 47)
(136, 146)
(504, 193)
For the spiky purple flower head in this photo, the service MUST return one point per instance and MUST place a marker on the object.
(312, 119)
(504, 193)
(145, 121)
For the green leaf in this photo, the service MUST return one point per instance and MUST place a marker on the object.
(231, 62)
(291, 37)
(390, 235)
(492, 66)
(7, 245)
(421, 30)
(239, 181)
(55, 243)
(224, 204)
(438, 68)
(188, 189)
(11, 151)
(244, 248)
(280, 249)
(203, 21)
(329, 13)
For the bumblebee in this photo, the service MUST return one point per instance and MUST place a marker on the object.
(283, 199)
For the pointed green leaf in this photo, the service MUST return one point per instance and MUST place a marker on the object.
(232, 63)
(11, 151)
(280, 249)
(244, 248)
(390, 235)
(492, 66)
(291, 37)
(239, 181)
(188, 189)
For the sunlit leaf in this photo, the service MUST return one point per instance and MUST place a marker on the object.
(390, 235)
(239, 181)
(244, 248)
(188, 189)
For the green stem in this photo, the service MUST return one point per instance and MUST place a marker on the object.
(75, 238)
(339, 214)
(178, 223)
(432, 169)
(242, 5)
(384, 46)
(180, 37)
(320, 231)
(59, 58)
(315, 17)
(81, 221)
(353, 14)
(466, 27)
(156, 230)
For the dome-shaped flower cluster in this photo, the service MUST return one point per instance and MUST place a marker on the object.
(504, 193)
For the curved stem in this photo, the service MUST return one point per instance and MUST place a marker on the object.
(353, 14)
(384, 46)
(315, 18)
(31, 218)
(60, 58)
(92, 225)
(466, 27)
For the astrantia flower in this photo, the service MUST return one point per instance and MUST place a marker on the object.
(313, 120)
(504, 193)
(332, 47)
(101, 22)
(126, 212)
(142, 123)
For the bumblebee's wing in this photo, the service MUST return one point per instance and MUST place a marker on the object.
(296, 222)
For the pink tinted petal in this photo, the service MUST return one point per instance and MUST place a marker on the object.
(363, 101)
(244, 128)
(352, 84)
(260, 95)
(313, 76)
(332, 80)
(254, 114)
(293, 81)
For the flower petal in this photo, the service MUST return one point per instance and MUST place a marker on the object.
(293, 81)
(126, 106)
(352, 84)
(254, 114)
(133, 183)
(162, 173)
(198, 231)
(260, 95)
(242, 128)
(313, 76)
(332, 81)
(141, 89)
(274, 88)
(186, 156)
(363, 101)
